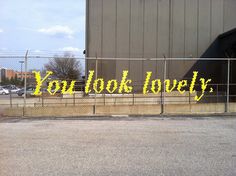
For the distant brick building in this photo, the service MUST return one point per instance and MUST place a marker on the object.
(20, 75)
(9, 73)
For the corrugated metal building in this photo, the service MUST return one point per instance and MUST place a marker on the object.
(153, 29)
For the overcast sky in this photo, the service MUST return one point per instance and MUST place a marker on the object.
(43, 26)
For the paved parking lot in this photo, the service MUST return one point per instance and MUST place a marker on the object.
(123, 146)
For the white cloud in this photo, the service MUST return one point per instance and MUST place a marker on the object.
(37, 51)
(58, 30)
(1, 30)
(71, 49)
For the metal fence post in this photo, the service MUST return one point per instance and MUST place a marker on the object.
(96, 75)
(25, 81)
(163, 96)
(10, 98)
(228, 86)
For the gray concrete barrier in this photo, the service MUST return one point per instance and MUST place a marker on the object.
(90, 110)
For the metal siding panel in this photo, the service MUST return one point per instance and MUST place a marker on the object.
(121, 65)
(136, 73)
(86, 30)
(108, 69)
(229, 15)
(204, 28)
(94, 28)
(123, 29)
(163, 28)
(92, 66)
(109, 28)
(178, 28)
(178, 35)
(150, 28)
(163, 35)
(191, 36)
(160, 69)
(217, 18)
(136, 40)
(191, 28)
(156, 67)
(109, 39)
(150, 36)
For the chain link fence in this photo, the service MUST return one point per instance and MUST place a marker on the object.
(18, 81)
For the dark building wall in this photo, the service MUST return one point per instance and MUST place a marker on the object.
(153, 29)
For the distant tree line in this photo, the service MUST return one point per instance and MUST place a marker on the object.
(14, 81)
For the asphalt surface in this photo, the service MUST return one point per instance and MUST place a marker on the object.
(119, 146)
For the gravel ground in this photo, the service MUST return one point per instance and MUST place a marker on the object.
(126, 146)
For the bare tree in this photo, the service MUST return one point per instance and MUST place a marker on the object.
(65, 68)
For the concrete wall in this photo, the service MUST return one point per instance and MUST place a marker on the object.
(89, 110)
(49, 111)
(153, 29)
